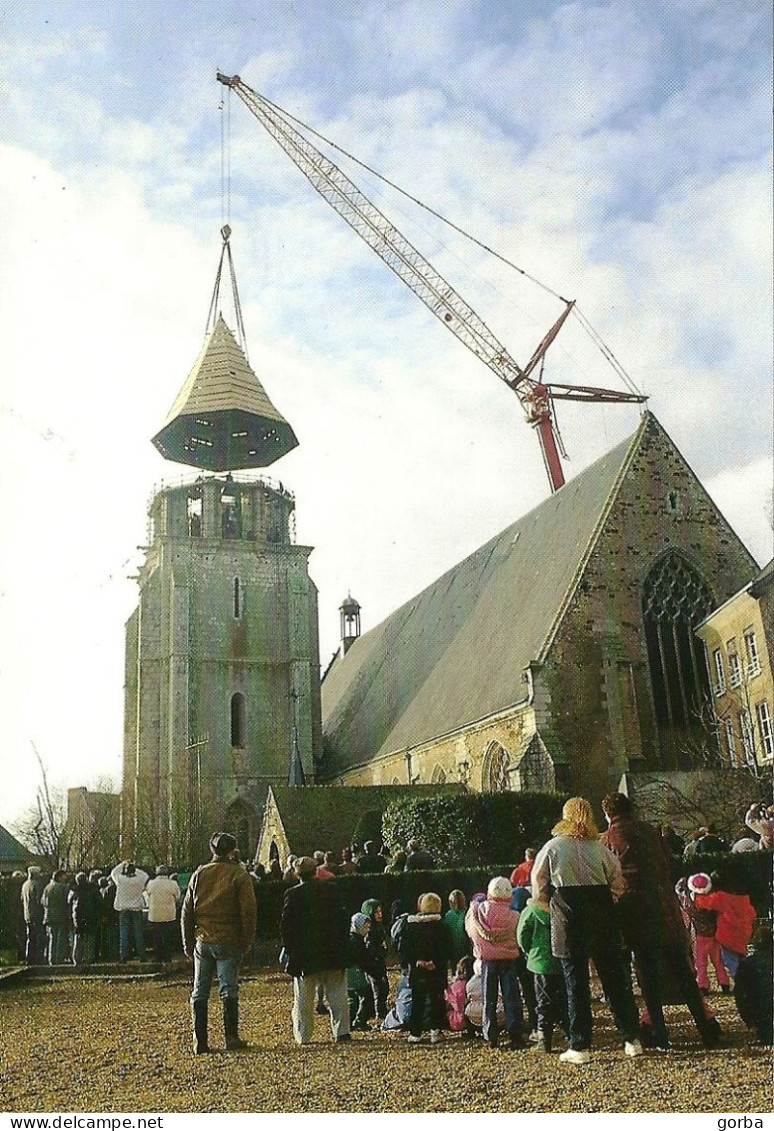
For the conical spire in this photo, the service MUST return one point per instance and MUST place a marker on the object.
(222, 419)
(296, 776)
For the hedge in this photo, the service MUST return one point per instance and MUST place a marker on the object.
(464, 829)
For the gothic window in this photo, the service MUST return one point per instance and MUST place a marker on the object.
(674, 601)
(241, 822)
(495, 777)
(238, 720)
(439, 777)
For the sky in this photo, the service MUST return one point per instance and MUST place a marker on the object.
(617, 152)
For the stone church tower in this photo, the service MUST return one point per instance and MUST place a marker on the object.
(222, 693)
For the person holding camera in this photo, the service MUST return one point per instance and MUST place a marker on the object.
(130, 884)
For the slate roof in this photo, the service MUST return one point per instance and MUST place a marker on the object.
(11, 850)
(222, 418)
(465, 641)
(325, 817)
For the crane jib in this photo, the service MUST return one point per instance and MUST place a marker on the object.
(408, 263)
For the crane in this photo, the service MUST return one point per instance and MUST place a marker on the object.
(370, 223)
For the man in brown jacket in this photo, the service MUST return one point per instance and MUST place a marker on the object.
(218, 927)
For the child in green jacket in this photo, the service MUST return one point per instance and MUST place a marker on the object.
(534, 938)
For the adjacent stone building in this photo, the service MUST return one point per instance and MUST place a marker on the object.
(738, 641)
(561, 654)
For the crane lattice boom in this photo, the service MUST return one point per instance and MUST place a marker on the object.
(425, 281)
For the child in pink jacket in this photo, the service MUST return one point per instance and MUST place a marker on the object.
(491, 925)
(457, 996)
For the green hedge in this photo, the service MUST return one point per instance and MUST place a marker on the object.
(465, 829)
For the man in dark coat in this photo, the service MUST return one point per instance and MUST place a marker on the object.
(315, 934)
(418, 859)
(650, 920)
(371, 860)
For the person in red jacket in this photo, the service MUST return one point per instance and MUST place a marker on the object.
(521, 875)
(736, 918)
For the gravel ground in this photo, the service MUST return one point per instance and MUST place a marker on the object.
(123, 1045)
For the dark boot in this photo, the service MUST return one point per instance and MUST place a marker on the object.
(231, 1024)
(199, 1016)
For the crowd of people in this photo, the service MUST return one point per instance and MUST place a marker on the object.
(89, 917)
(510, 964)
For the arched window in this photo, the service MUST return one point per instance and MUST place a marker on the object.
(238, 720)
(242, 823)
(674, 601)
(439, 777)
(494, 776)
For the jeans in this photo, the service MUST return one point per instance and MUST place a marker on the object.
(334, 983)
(209, 959)
(592, 932)
(162, 939)
(551, 1002)
(731, 960)
(501, 974)
(130, 931)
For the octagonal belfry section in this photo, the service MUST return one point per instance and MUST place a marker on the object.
(222, 419)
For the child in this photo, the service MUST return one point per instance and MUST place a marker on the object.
(704, 923)
(533, 935)
(474, 1010)
(424, 949)
(491, 926)
(376, 945)
(457, 996)
(454, 920)
(358, 987)
(736, 918)
(752, 987)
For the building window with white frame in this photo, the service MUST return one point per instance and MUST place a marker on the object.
(720, 672)
(734, 665)
(764, 729)
(731, 742)
(748, 735)
(751, 648)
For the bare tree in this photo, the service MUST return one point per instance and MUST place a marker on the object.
(43, 825)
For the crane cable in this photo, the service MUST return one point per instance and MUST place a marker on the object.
(598, 341)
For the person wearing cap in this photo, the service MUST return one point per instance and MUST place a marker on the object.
(359, 971)
(491, 925)
(218, 927)
(315, 929)
(162, 894)
(704, 923)
(423, 947)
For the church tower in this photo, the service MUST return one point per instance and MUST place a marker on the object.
(222, 693)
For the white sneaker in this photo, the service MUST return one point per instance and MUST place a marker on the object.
(633, 1048)
(576, 1056)
(435, 1036)
(414, 1040)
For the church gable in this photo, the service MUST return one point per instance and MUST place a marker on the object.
(457, 652)
(623, 674)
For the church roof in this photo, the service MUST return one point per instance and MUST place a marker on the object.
(222, 418)
(464, 642)
(11, 851)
